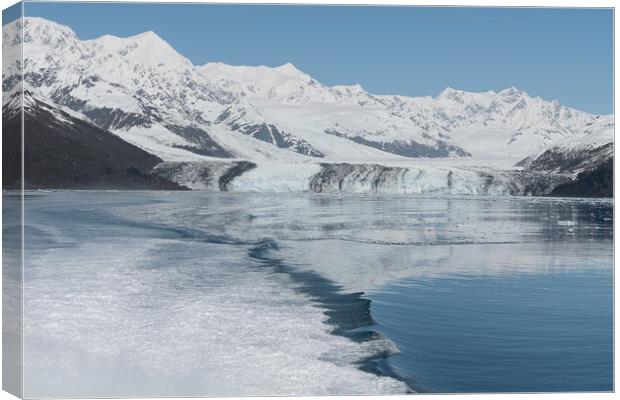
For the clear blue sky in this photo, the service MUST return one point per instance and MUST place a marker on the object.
(563, 54)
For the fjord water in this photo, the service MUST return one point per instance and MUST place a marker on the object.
(195, 293)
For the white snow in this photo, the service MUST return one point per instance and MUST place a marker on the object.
(104, 95)
(143, 72)
(276, 177)
(160, 141)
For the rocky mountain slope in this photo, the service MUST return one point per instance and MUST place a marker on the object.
(588, 159)
(62, 151)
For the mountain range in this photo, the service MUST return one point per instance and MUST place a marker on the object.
(140, 90)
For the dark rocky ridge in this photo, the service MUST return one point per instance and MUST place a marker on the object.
(565, 161)
(11, 148)
(114, 118)
(407, 149)
(269, 133)
(591, 170)
(598, 182)
(64, 152)
(206, 146)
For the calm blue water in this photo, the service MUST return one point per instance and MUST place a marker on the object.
(523, 333)
(225, 294)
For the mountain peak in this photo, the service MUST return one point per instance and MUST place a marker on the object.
(288, 68)
(450, 93)
(255, 75)
(511, 91)
(41, 22)
(148, 37)
(43, 31)
(146, 48)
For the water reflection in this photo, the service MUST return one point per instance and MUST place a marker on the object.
(223, 281)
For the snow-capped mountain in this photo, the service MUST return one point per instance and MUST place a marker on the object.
(142, 90)
(222, 127)
(575, 153)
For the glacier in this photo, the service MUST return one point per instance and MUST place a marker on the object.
(358, 178)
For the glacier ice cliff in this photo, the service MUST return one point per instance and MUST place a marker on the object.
(246, 176)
